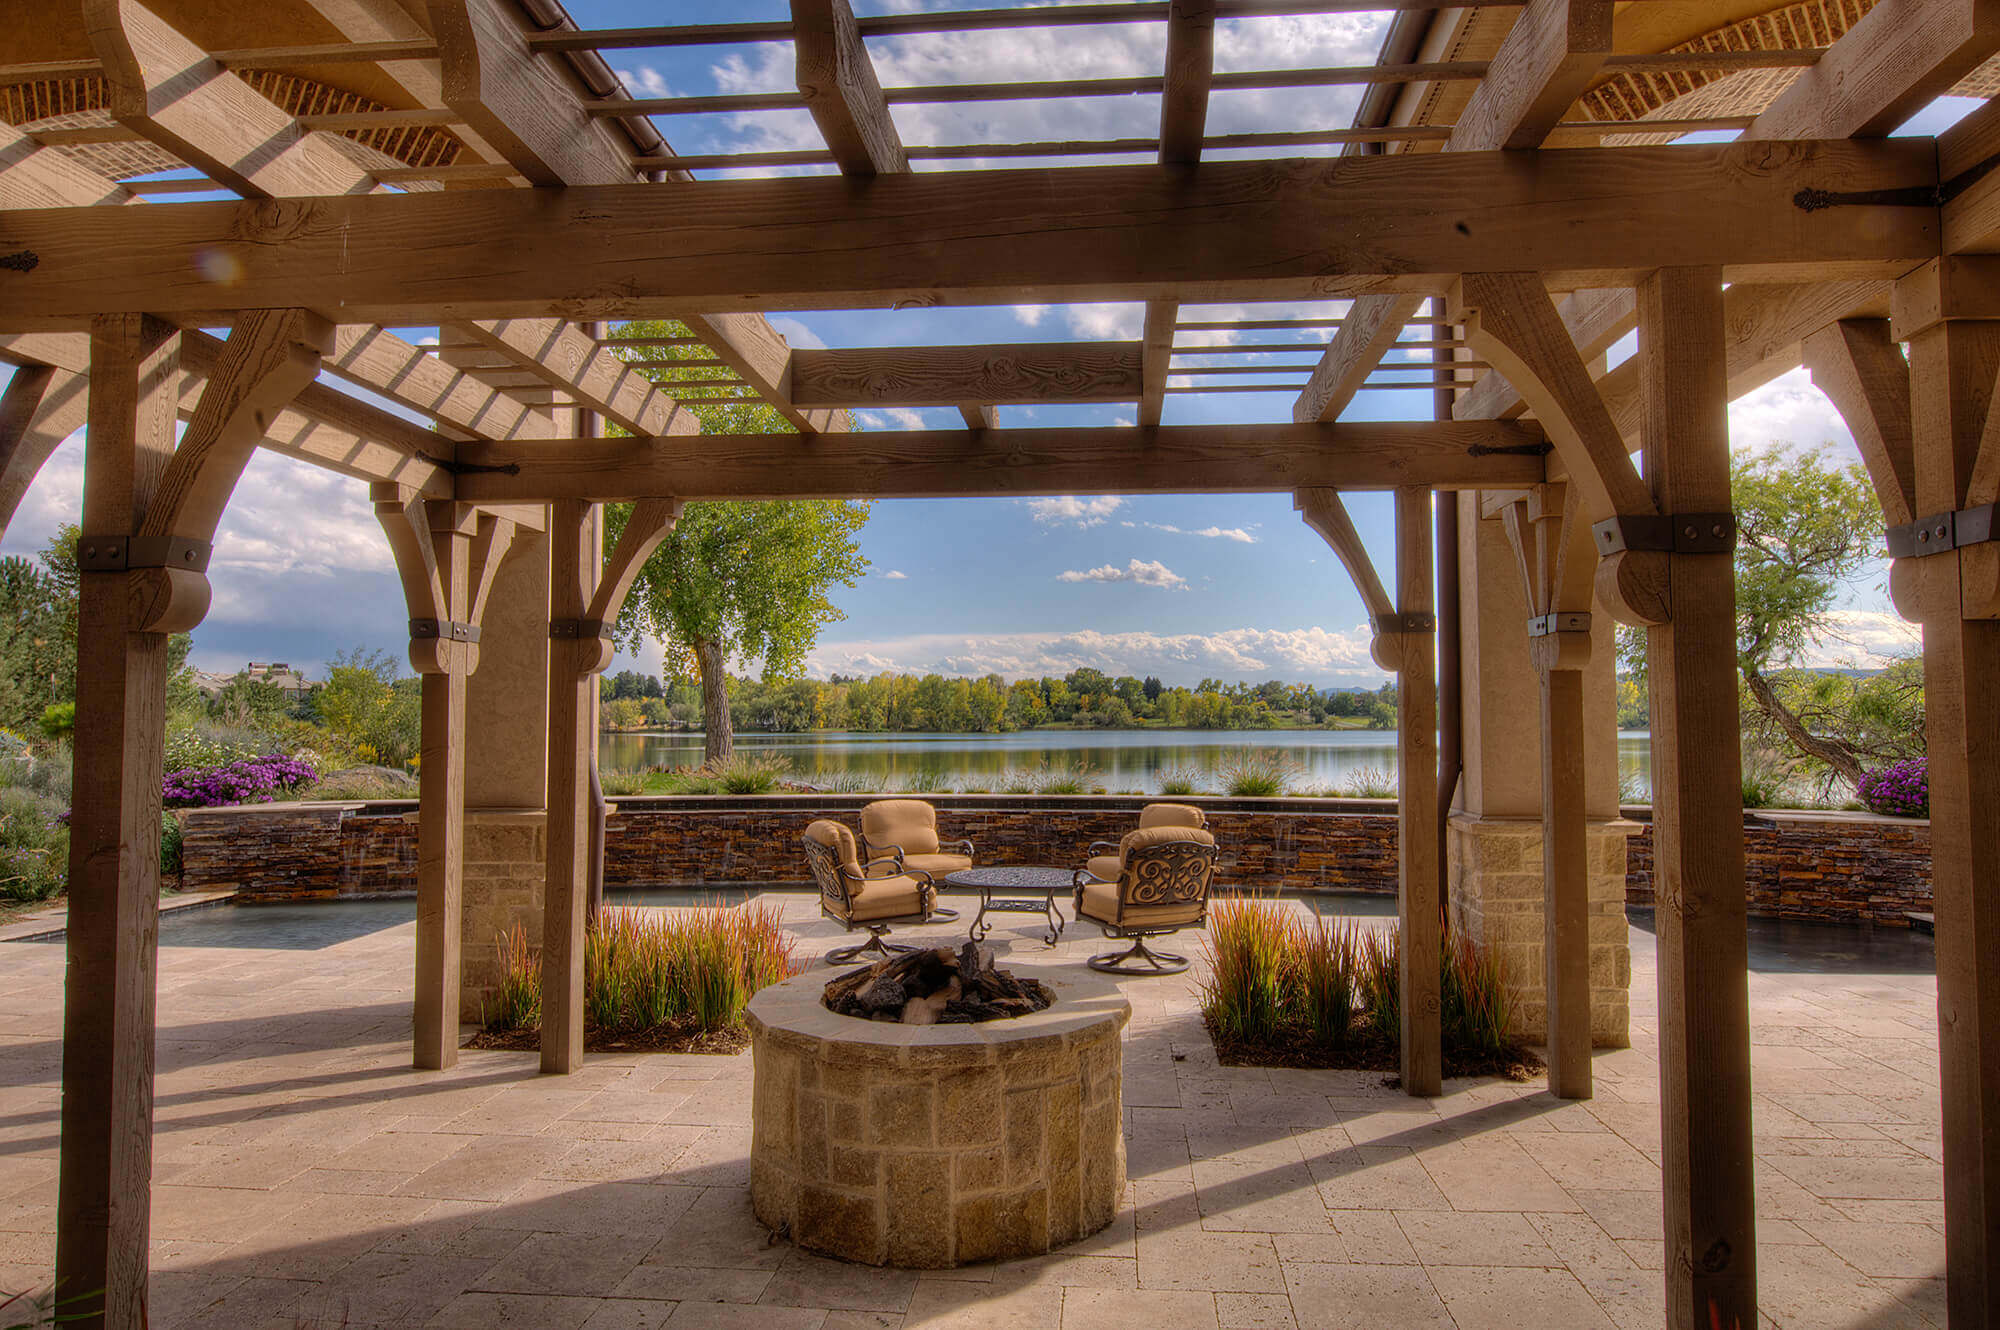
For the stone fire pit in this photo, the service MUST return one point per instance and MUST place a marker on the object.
(926, 1146)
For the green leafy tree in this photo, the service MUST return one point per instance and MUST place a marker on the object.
(367, 703)
(34, 654)
(737, 581)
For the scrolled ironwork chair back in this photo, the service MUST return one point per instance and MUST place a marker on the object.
(827, 872)
(1169, 873)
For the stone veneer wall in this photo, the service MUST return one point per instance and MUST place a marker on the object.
(1834, 867)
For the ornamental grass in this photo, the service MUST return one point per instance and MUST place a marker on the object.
(691, 968)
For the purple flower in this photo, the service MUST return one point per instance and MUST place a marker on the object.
(1901, 789)
(246, 780)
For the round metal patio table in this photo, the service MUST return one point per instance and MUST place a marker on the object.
(1013, 883)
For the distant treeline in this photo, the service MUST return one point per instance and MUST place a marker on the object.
(932, 703)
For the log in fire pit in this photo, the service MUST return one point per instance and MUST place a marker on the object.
(947, 1140)
(937, 987)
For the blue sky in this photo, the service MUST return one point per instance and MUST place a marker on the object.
(1180, 586)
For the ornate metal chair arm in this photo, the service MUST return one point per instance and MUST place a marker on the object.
(888, 852)
(1097, 845)
(894, 861)
(969, 852)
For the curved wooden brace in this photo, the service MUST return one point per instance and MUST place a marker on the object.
(405, 518)
(1860, 368)
(652, 521)
(1542, 527)
(43, 406)
(1513, 325)
(490, 546)
(1325, 513)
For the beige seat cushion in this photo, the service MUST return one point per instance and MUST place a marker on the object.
(1171, 815)
(1100, 902)
(888, 898)
(1160, 836)
(910, 823)
(1103, 866)
(937, 865)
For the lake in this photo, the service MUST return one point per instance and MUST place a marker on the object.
(1120, 760)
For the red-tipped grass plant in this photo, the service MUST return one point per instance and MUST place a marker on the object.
(1326, 961)
(696, 967)
(1248, 947)
(517, 1003)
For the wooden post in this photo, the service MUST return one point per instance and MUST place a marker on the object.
(114, 843)
(575, 560)
(1416, 762)
(1565, 885)
(1711, 1259)
(1952, 374)
(441, 798)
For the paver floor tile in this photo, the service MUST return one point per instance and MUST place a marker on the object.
(1503, 1298)
(1106, 1309)
(1377, 1177)
(1259, 1198)
(1455, 1237)
(530, 1311)
(1364, 1297)
(685, 1283)
(805, 1280)
(719, 1229)
(951, 1304)
(1213, 1262)
(1254, 1311)
(586, 1264)
(1894, 1251)
(630, 1314)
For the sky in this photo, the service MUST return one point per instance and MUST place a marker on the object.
(1183, 587)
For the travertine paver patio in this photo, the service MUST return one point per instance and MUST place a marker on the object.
(304, 1176)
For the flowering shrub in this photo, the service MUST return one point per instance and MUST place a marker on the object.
(249, 780)
(1901, 789)
(192, 749)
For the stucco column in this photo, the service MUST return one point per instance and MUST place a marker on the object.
(1494, 865)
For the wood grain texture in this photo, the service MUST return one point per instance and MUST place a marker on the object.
(1156, 359)
(42, 407)
(1234, 230)
(1174, 459)
(1895, 60)
(1367, 331)
(837, 79)
(574, 560)
(105, 1187)
(382, 362)
(1190, 68)
(566, 358)
(1546, 61)
(753, 348)
(441, 805)
(1510, 321)
(519, 102)
(1565, 885)
(651, 522)
(1418, 881)
(1862, 372)
(1595, 319)
(33, 176)
(946, 375)
(1706, 1159)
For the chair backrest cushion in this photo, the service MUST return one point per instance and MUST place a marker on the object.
(1166, 869)
(1171, 815)
(910, 823)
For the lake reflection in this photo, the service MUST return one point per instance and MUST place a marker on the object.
(1121, 760)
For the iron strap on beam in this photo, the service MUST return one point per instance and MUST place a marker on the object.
(443, 630)
(1420, 622)
(578, 629)
(117, 554)
(1675, 533)
(1548, 625)
(1943, 533)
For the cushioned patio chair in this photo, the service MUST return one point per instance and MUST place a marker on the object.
(1104, 853)
(858, 896)
(906, 830)
(1156, 884)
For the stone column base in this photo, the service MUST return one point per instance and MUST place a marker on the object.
(505, 867)
(1494, 885)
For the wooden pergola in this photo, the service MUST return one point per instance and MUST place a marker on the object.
(482, 172)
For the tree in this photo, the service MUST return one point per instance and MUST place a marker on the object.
(1804, 528)
(33, 652)
(365, 702)
(736, 581)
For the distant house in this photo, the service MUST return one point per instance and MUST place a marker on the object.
(280, 673)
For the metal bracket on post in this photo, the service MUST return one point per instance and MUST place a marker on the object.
(443, 630)
(1672, 533)
(117, 554)
(1420, 622)
(1548, 625)
(1943, 533)
(575, 630)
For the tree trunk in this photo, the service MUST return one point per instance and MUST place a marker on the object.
(718, 737)
(1835, 755)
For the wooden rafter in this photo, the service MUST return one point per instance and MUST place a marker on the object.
(1896, 60)
(837, 80)
(941, 463)
(564, 357)
(948, 375)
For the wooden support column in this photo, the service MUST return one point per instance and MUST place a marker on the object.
(1956, 595)
(1710, 1212)
(586, 593)
(1418, 874)
(114, 863)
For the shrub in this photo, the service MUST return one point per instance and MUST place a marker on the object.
(246, 780)
(1367, 783)
(170, 849)
(1477, 1016)
(1247, 943)
(200, 748)
(931, 780)
(621, 782)
(1258, 774)
(34, 847)
(844, 782)
(517, 1005)
(46, 774)
(1044, 777)
(1901, 789)
(1180, 780)
(364, 783)
(59, 720)
(1326, 961)
(643, 970)
(1767, 780)
(739, 775)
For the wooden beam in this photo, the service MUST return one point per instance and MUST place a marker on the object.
(378, 360)
(1861, 370)
(1055, 372)
(1190, 69)
(105, 1187)
(522, 103)
(1371, 327)
(1156, 359)
(1323, 511)
(565, 357)
(753, 348)
(837, 80)
(1897, 58)
(33, 176)
(1706, 1158)
(575, 559)
(1417, 895)
(1595, 319)
(1173, 459)
(1237, 230)
(43, 406)
(1546, 61)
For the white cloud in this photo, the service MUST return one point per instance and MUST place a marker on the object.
(797, 334)
(895, 575)
(1031, 315)
(646, 81)
(1119, 322)
(1312, 654)
(1235, 533)
(1069, 508)
(1145, 572)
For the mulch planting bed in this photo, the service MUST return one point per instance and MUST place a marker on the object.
(670, 1038)
(1365, 1053)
